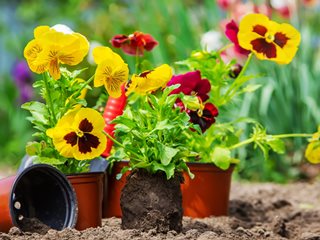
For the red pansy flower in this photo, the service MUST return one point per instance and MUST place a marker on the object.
(191, 84)
(135, 43)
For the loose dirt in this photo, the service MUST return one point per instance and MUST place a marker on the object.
(257, 211)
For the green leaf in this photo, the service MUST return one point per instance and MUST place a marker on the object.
(38, 111)
(276, 145)
(221, 157)
(251, 87)
(50, 161)
(166, 154)
(33, 148)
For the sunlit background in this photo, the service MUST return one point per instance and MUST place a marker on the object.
(288, 101)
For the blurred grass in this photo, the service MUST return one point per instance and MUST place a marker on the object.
(288, 102)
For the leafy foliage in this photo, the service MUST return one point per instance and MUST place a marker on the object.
(154, 135)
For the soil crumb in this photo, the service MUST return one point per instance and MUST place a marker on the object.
(257, 211)
(34, 225)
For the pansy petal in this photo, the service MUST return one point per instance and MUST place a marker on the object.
(93, 116)
(92, 146)
(40, 30)
(111, 73)
(101, 53)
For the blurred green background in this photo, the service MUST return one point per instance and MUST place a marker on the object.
(287, 102)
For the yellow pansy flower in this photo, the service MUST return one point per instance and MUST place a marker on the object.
(149, 81)
(79, 134)
(267, 39)
(312, 153)
(111, 71)
(54, 46)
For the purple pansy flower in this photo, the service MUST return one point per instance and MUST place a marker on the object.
(23, 80)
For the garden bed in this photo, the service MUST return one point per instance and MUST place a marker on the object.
(257, 211)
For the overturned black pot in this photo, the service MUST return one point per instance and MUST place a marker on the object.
(39, 194)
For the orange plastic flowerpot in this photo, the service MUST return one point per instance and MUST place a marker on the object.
(111, 199)
(205, 195)
(208, 193)
(89, 191)
(38, 192)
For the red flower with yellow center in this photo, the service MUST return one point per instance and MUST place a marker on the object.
(268, 40)
(79, 134)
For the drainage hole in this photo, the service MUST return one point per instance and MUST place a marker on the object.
(17, 205)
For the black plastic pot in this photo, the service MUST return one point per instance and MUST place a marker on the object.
(38, 192)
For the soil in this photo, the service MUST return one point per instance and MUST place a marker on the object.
(257, 211)
(150, 201)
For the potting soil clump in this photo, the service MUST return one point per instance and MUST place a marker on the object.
(150, 201)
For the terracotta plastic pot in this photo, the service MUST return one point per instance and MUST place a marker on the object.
(89, 191)
(208, 193)
(205, 195)
(113, 187)
(38, 192)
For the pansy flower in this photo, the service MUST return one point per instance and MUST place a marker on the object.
(54, 46)
(79, 134)
(204, 117)
(111, 72)
(135, 43)
(191, 84)
(149, 81)
(231, 32)
(267, 39)
(312, 152)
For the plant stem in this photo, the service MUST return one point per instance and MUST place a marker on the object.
(85, 84)
(240, 144)
(48, 99)
(120, 144)
(252, 139)
(289, 135)
(244, 69)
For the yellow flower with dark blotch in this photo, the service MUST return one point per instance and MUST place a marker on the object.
(149, 81)
(111, 71)
(268, 40)
(79, 134)
(54, 46)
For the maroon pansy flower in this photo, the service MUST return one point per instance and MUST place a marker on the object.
(135, 43)
(205, 117)
(191, 84)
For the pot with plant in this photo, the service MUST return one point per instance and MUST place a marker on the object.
(153, 134)
(219, 84)
(68, 133)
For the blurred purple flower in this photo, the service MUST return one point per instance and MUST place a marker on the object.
(191, 84)
(23, 80)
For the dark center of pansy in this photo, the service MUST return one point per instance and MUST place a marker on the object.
(87, 142)
(85, 126)
(260, 45)
(261, 30)
(82, 137)
(144, 74)
(280, 39)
